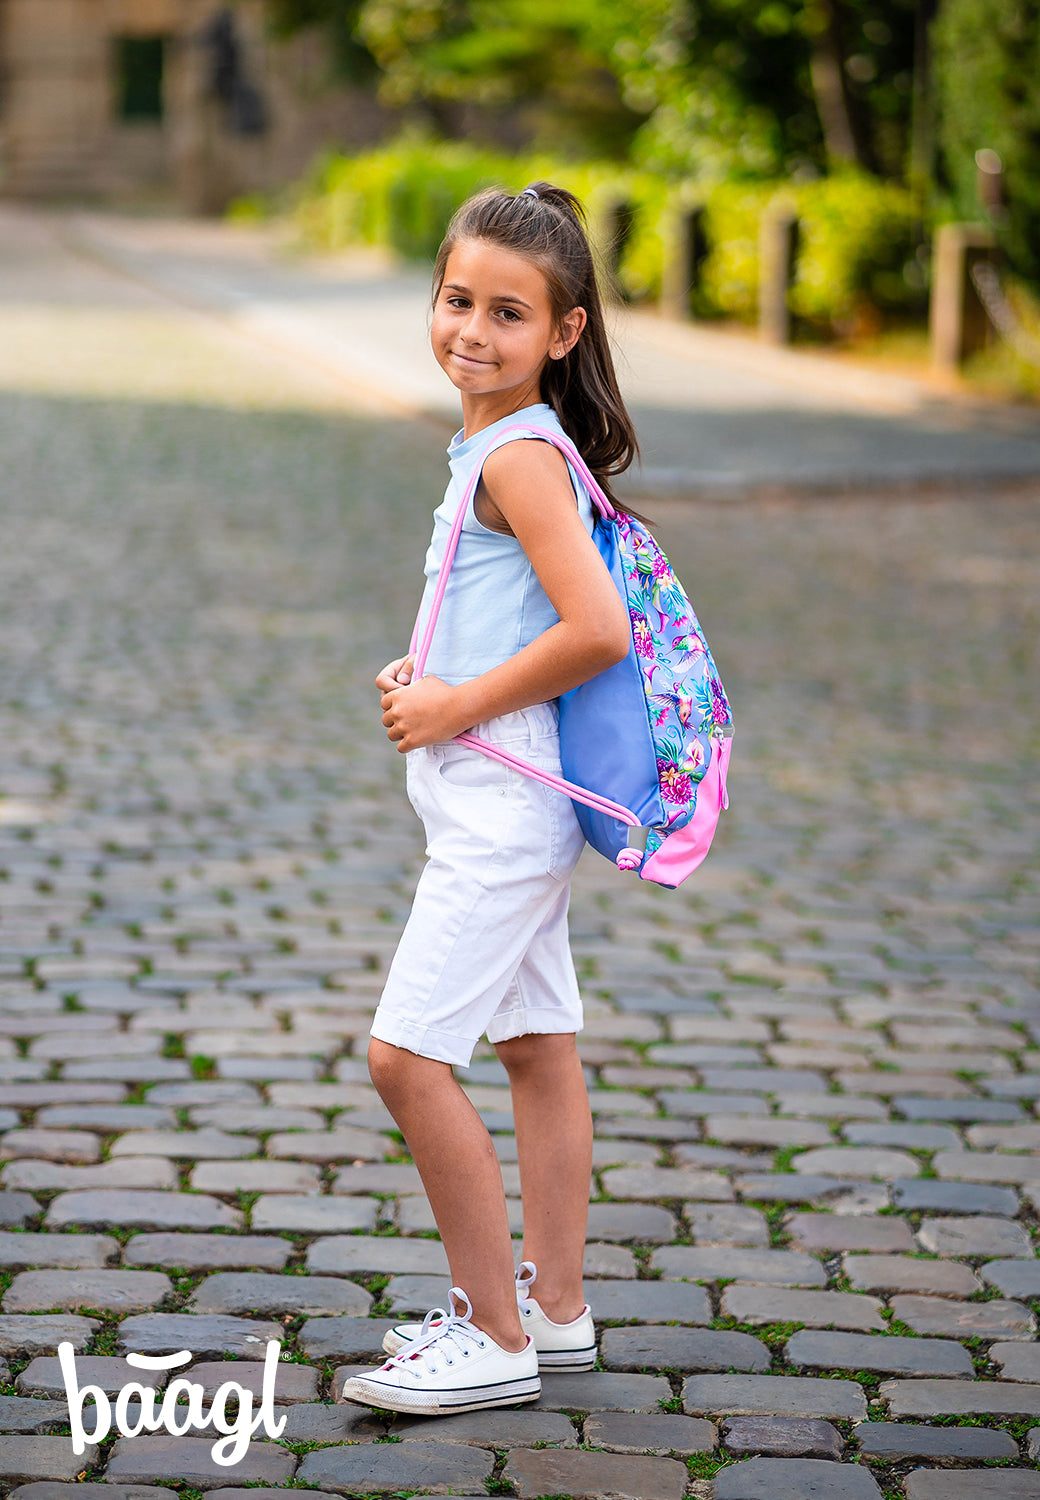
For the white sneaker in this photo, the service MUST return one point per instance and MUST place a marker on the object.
(561, 1346)
(456, 1367)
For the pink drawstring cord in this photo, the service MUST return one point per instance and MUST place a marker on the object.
(629, 858)
(556, 783)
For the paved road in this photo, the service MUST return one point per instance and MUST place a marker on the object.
(719, 414)
(814, 1069)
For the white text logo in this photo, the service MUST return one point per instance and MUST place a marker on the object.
(176, 1420)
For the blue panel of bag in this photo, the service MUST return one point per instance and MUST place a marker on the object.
(605, 739)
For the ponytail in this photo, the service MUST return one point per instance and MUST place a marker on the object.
(547, 224)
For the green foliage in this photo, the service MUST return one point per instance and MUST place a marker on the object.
(730, 87)
(987, 60)
(404, 194)
(857, 236)
(714, 88)
(385, 197)
(555, 64)
(339, 18)
(858, 247)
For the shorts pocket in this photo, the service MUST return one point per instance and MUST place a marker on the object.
(468, 770)
(412, 780)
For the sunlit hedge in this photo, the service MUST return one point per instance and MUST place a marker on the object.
(858, 236)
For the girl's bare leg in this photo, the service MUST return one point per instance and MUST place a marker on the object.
(462, 1178)
(554, 1148)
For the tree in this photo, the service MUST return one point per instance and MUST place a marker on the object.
(711, 87)
(557, 64)
(987, 59)
(774, 86)
(730, 90)
(339, 18)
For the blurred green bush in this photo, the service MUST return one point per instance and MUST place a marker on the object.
(857, 248)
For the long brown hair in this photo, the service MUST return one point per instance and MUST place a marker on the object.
(547, 225)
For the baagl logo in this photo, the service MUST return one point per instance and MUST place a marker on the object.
(168, 1414)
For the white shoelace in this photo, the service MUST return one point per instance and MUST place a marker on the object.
(435, 1316)
(440, 1346)
(526, 1275)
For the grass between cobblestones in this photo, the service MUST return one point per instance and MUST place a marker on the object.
(707, 1465)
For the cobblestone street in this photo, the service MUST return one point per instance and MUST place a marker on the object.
(814, 1068)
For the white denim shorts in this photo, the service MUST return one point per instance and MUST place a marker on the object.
(485, 949)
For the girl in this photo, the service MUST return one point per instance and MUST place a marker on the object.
(530, 612)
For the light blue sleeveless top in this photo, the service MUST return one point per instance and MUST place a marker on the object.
(494, 604)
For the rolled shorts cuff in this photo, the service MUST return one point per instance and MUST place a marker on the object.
(538, 1021)
(424, 1041)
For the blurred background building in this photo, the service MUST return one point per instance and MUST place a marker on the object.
(184, 99)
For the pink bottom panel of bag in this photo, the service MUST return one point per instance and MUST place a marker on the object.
(682, 851)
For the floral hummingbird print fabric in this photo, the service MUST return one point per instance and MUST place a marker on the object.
(686, 702)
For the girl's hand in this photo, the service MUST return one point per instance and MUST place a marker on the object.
(423, 713)
(396, 674)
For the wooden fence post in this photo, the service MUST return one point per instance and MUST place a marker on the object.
(777, 256)
(686, 251)
(958, 325)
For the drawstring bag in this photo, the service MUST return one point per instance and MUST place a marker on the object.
(645, 745)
